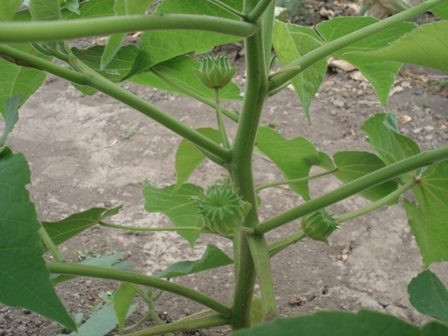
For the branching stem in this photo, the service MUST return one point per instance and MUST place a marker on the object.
(20, 32)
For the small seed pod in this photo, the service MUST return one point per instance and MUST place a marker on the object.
(222, 210)
(319, 225)
(215, 71)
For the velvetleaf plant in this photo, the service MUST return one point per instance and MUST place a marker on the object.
(33, 37)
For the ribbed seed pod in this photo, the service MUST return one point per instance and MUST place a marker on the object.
(222, 210)
(319, 225)
(215, 71)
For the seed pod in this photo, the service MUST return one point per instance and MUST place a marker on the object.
(222, 210)
(215, 71)
(319, 225)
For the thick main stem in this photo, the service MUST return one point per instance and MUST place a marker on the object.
(241, 167)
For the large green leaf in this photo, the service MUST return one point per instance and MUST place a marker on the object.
(8, 8)
(353, 165)
(366, 323)
(122, 302)
(24, 277)
(390, 145)
(429, 296)
(427, 46)
(101, 323)
(180, 207)
(122, 7)
(293, 157)
(158, 46)
(71, 226)
(428, 219)
(441, 10)
(380, 73)
(11, 115)
(43, 10)
(16, 79)
(213, 257)
(188, 157)
(291, 42)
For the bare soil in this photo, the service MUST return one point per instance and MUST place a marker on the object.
(95, 152)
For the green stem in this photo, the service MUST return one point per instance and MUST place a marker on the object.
(19, 32)
(182, 325)
(378, 204)
(152, 312)
(356, 186)
(221, 126)
(57, 255)
(192, 94)
(101, 84)
(268, 27)
(259, 10)
(140, 322)
(284, 242)
(327, 49)
(133, 228)
(140, 279)
(241, 167)
(303, 179)
(228, 8)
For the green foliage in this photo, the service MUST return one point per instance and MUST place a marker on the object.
(213, 257)
(429, 296)
(344, 323)
(166, 59)
(290, 42)
(22, 268)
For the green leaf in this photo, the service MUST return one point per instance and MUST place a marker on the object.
(180, 207)
(391, 121)
(181, 71)
(71, 5)
(188, 157)
(390, 145)
(116, 69)
(73, 225)
(158, 46)
(325, 161)
(256, 311)
(100, 323)
(9, 8)
(380, 73)
(344, 324)
(291, 42)
(425, 46)
(429, 296)
(293, 157)
(353, 165)
(122, 7)
(90, 9)
(428, 219)
(24, 277)
(16, 79)
(11, 115)
(213, 257)
(122, 302)
(441, 10)
(44, 10)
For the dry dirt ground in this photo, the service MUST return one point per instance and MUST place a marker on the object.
(94, 152)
